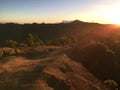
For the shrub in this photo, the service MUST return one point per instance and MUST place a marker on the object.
(110, 85)
(11, 43)
(33, 40)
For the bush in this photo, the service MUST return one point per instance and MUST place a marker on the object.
(110, 85)
(11, 43)
(33, 40)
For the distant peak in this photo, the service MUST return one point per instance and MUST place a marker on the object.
(77, 21)
(74, 21)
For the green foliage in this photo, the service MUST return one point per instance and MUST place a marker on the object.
(33, 40)
(22, 45)
(65, 40)
(111, 85)
(11, 43)
(101, 47)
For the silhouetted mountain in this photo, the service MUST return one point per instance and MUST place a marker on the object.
(77, 22)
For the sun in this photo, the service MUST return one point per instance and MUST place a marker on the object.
(116, 19)
(113, 15)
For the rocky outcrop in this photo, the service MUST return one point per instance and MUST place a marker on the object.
(6, 51)
(55, 72)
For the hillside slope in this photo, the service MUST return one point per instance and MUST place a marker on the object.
(54, 72)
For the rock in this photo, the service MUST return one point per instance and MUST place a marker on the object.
(6, 51)
(1, 52)
(56, 72)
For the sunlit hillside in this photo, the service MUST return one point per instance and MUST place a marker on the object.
(59, 56)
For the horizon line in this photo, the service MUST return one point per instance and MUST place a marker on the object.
(63, 21)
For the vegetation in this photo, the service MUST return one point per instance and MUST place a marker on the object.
(111, 85)
(11, 43)
(33, 40)
(96, 46)
(99, 58)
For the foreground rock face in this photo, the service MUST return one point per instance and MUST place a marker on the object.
(57, 72)
(6, 51)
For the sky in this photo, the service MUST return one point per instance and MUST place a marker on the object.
(53, 11)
